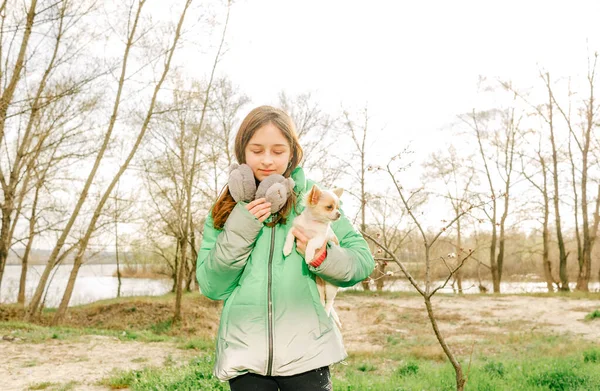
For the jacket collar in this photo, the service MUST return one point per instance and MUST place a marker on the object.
(299, 180)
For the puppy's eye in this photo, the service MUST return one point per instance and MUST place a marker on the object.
(329, 207)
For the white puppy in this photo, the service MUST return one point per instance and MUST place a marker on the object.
(322, 207)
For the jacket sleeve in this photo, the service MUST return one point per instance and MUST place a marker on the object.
(348, 263)
(223, 253)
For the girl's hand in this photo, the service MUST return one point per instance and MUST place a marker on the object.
(260, 208)
(302, 241)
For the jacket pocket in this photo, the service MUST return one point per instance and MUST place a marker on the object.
(225, 314)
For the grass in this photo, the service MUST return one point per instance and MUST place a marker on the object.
(593, 315)
(195, 375)
(53, 386)
(33, 333)
(41, 386)
(592, 355)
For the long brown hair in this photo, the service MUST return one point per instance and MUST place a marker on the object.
(256, 119)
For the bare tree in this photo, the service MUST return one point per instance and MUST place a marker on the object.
(192, 174)
(564, 280)
(316, 134)
(62, 308)
(541, 164)
(503, 142)
(584, 143)
(427, 290)
(390, 226)
(225, 107)
(458, 178)
(10, 176)
(58, 143)
(548, 118)
(55, 254)
(358, 172)
(120, 212)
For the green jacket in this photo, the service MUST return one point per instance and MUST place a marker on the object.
(272, 322)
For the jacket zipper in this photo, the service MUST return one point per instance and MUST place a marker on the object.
(270, 303)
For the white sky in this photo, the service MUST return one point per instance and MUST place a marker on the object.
(415, 63)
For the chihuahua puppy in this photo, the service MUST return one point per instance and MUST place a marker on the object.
(322, 207)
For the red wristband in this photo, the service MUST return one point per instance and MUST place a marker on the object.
(317, 262)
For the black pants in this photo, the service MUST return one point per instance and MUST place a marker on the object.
(315, 380)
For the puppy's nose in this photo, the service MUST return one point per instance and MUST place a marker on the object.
(337, 215)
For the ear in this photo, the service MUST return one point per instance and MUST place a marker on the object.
(338, 192)
(314, 195)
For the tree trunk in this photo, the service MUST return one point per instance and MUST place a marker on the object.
(585, 267)
(564, 280)
(547, 265)
(502, 239)
(194, 282)
(460, 379)
(117, 250)
(493, 218)
(458, 253)
(25, 261)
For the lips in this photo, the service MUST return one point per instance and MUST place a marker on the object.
(267, 171)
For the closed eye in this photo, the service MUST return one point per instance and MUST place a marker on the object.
(329, 207)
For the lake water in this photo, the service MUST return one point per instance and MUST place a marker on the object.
(96, 282)
(471, 286)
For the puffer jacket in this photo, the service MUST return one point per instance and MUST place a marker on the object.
(272, 322)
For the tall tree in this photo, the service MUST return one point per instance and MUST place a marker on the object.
(62, 308)
(427, 289)
(192, 174)
(358, 129)
(316, 134)
(502, 140)
(458, 179)
(548, 117)
(584, 143)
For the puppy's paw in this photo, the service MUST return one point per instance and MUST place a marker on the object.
(287, 249)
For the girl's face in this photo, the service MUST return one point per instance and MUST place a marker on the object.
(268, 152)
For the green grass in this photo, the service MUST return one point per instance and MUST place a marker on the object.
(593, 315)
(53, 386)
(547, 374)
(195, 375)
(198, 344)
(33, 333)
(592, 355)
(41, 386)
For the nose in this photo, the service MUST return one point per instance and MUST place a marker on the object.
(267, 159)
(337, 214)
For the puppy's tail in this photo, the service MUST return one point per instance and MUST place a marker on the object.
(335, 317)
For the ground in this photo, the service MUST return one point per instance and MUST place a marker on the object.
(368, 322)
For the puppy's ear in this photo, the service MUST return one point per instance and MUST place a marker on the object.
(314, 195)
(338, 192)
